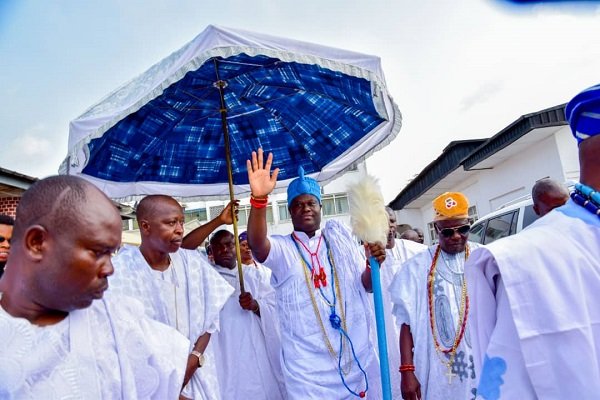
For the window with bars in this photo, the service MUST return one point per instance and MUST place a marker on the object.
(244, 213)
(215, 211)
(432, 232)
(199, 214)
(473, 214)
(284, 213)
(335, 204)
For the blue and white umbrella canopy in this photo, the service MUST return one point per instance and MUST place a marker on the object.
(311, 106)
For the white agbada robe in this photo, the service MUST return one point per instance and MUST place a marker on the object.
(188, 296)
(409, 293)
(109, 350)
(535, 310)
(258, 266)
(395, 257)
(310, 371)
(247, 347)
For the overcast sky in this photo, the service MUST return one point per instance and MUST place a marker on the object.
(457, 69)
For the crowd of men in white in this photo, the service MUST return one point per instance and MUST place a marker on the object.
(513, 320)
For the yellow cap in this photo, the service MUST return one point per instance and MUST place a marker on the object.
(451, 205)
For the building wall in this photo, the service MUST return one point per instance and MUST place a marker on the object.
(555, 157)
(8, 205)
(514, 178)
(567, 150)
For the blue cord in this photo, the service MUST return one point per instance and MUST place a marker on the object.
(335, 320)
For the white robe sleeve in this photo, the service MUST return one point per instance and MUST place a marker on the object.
(481, 275)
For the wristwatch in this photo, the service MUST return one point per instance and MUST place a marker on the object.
(200, 357)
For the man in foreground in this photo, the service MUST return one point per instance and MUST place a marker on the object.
(535, 317)
(6, 228)
(178, 287)
(61, 337)
(247, 346)
(321, 285)
(431, 308)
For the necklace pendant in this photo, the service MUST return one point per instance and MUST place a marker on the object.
(450, 374)
(316, 281)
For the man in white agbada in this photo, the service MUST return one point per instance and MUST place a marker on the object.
(431, 308)
(397, 251)
(247, 347)
(534, 295)
(321, 284)
(178, 287)
(61, 338)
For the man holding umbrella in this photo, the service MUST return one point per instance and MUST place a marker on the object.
(321, 285)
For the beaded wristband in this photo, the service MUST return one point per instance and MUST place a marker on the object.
(259, 203)
(406, 368)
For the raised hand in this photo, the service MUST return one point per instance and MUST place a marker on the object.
(262, 182)
(225, 215)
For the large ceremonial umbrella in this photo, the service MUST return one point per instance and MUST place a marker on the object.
(186, 126)
(164, 132)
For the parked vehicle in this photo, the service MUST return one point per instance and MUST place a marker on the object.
(505, 221)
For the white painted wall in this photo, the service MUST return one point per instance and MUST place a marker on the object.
(555, 157)
(568, 154)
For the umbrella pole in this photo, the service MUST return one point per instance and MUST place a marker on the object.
(384, 366)
(221, 85)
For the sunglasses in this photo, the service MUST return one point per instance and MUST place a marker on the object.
(449, 232)
(2, 239)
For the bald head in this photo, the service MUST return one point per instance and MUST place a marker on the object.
(65, 233)
(161, 221)
(56, 201)
(151, 206)
(547, 195)
(411, 235)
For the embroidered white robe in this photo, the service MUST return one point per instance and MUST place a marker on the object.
(107, 351)
(535, 310)
(395, 257)
(247, 347)
(409, 293)
(188, 296)
(310, 371)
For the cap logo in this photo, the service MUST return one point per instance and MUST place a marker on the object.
(450, 203)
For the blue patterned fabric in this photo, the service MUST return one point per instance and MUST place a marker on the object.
(304, 114)
(583, 113)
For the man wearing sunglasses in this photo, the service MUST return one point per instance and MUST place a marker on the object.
(6, 228)
(431, 309)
